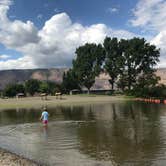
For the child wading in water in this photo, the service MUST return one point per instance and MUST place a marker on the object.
(44, 116)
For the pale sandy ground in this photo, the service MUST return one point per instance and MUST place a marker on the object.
(36, 102)
(10, 159)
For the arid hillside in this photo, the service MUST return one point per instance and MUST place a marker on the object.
(20, 76)
(162, 74)
(55, 75)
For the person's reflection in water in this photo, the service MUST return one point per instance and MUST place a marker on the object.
(45, 133)
(134, 128)
(132, 112)
(114, 112)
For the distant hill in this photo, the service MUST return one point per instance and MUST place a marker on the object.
(162, 74)
(55, 75)
(20, 76)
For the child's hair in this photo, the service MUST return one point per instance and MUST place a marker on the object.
(44, 108)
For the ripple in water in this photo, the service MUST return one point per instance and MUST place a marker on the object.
(101, 134)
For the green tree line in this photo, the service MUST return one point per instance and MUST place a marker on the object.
(130, 64)
(30, 87)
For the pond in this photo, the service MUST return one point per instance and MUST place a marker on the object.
(117, 133)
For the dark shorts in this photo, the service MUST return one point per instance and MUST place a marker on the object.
(45, 121)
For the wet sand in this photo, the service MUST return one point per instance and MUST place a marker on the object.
(10, 159)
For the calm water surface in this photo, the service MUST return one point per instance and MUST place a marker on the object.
(120, 133)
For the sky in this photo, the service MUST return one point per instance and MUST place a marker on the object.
(46, 33)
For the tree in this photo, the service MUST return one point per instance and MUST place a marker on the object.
(140, 57)
(43, 87)
(70, 81)
(146, 85)
(147, 80)
(32, 86)
(53, 87)
(49, 87)
(88, 62)
(12, 89)
(122, 81)
(113, 60)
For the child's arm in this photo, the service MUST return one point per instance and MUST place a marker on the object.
(41, 117)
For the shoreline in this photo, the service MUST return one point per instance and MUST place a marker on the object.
(8, 158)
(52, 101)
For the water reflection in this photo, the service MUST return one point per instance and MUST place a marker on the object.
(96, 134)
(129, 138)
(45, 132)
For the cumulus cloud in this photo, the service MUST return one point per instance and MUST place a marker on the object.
(160, 40)
(151, 16)
(113, 10)
(20, 63)
(6, 2)
(3, 57)
(51, 46)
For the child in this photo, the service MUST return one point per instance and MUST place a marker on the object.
(44, 116)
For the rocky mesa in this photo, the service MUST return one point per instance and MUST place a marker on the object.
(55, 75)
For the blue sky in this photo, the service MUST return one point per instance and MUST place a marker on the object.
(45, 33)
(86, 12)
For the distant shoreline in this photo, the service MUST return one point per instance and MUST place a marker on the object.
(52, 101)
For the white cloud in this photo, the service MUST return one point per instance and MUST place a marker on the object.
(4, 57)
(12, 16)
(20, 63)
(150, 15)
(6, 2)
(39, 16)
(14, 34)
(56, 10)
(113, 10)
(53, 45)
(160, 40)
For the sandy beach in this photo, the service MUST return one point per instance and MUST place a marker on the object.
(10, 159)
(51, 101)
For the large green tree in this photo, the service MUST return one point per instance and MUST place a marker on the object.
(49, 87)
(32, 86)
(88, 62)
(140, 58)
(114, 62)
(70, 81)
(12, 89)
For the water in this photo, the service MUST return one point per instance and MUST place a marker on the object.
(119, 133)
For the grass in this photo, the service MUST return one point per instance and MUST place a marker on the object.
(36, 102)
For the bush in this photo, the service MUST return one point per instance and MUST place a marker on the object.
(12, 89)
(155, 91)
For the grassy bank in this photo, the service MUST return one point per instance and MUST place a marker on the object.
(37, 102)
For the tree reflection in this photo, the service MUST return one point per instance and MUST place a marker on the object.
(128, 135)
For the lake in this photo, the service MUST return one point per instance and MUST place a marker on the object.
(103, 134)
